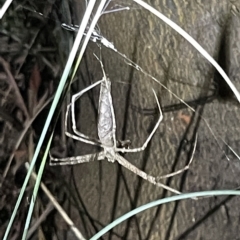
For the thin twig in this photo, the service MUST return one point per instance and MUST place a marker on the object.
(45, 213)
(19, 99)
(7, 117)
(27, 126)
(58, 207)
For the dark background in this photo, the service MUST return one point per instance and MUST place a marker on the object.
(96, 193)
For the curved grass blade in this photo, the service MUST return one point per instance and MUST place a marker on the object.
(163, 201)
(194, 43)
(52, 109)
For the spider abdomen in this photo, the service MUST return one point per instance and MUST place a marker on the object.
(105, 114)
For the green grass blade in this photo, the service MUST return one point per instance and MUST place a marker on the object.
(52, 109)
(36, 187)
(37, 184)
(163, 201)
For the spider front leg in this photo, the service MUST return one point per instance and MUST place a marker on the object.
(77, 159)
(75, 97)
(82, 138)
(150, 136)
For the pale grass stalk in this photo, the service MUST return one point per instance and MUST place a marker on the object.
(58, 206)
(193, 42)
(40, 219)
(5, 7)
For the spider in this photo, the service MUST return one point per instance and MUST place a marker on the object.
(106, 133)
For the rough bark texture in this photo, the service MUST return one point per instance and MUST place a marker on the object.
(108, 190)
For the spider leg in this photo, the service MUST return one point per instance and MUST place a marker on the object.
(75, 97)
(121, 160)
(81, 138)
(186, 167)
(150, 136)
(77, 159)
